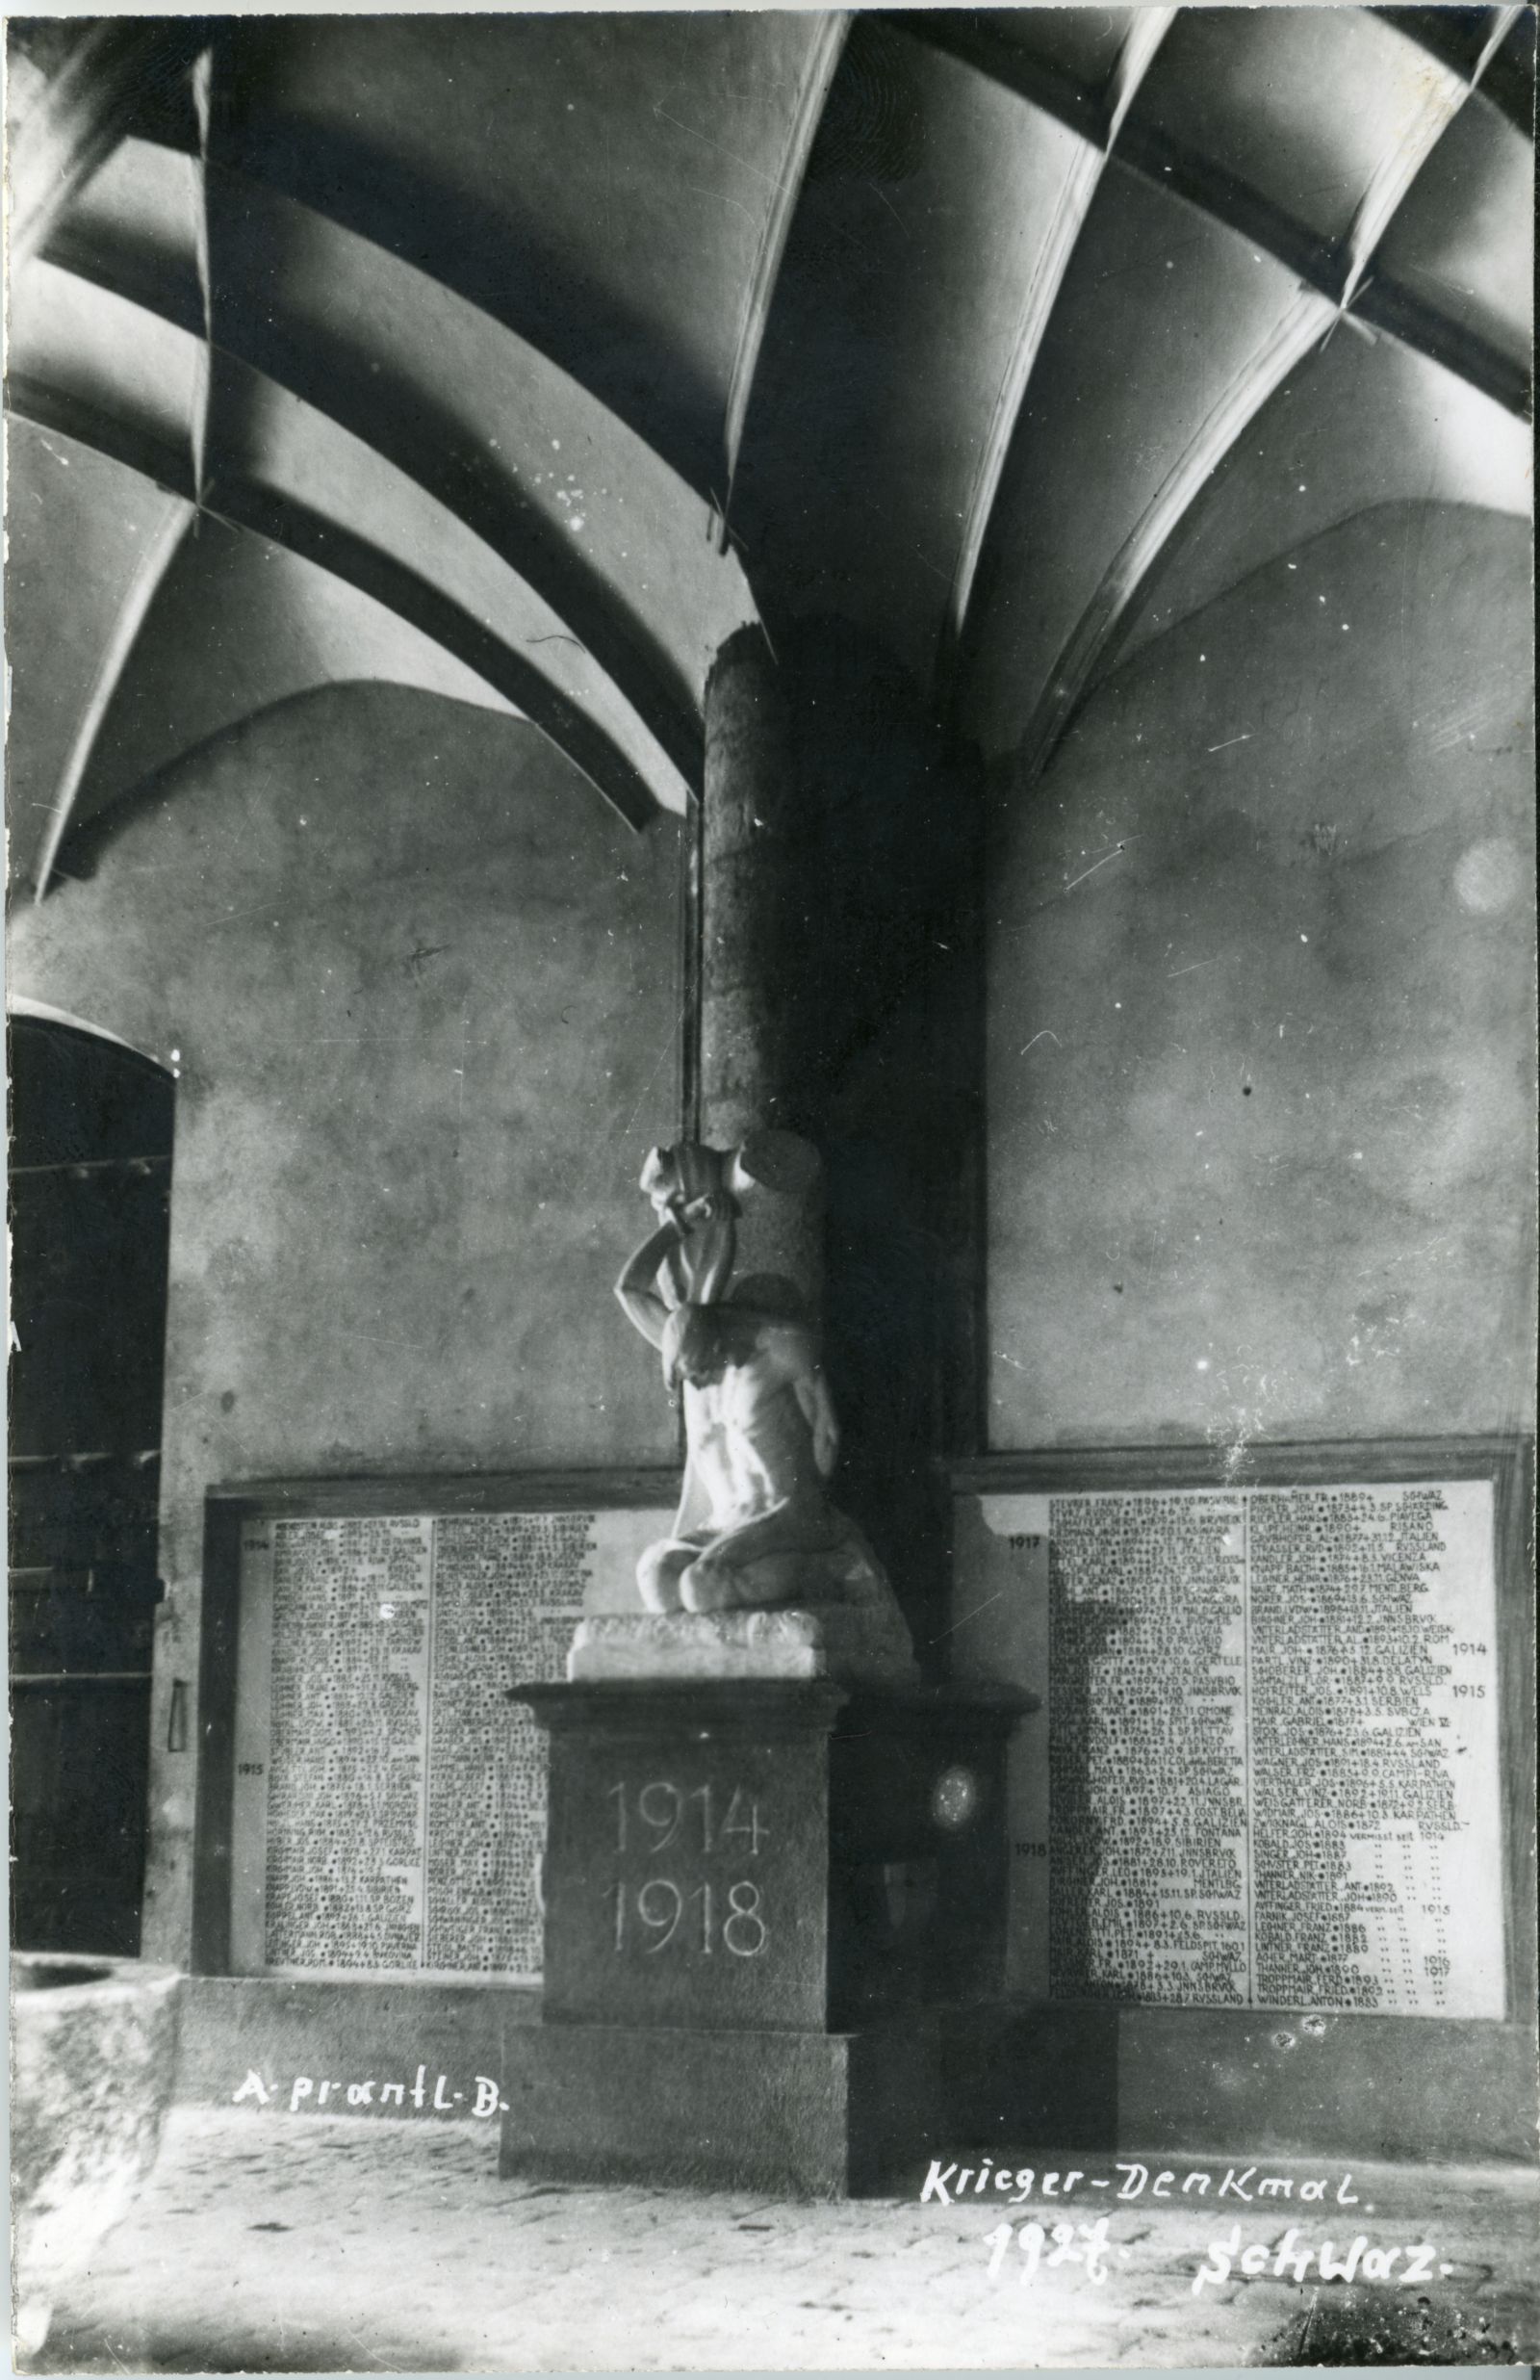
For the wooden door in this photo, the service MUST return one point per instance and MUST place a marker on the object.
(90, 1213)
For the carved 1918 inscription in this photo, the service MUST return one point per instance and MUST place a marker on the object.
(389, 1801)
(696, 1906)
(1270, 1771)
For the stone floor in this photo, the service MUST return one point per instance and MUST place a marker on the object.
(271, 2245)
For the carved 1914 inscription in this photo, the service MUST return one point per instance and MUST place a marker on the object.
(696, 1906)
(1270, 1773)
(389, 1801)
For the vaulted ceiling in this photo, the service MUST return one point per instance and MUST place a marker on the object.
(524, 357)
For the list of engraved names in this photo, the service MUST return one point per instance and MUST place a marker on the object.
(1146, 1748)
(405, 1795)
(1271, 1771)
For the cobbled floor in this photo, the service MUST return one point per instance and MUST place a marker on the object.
(318, 2244)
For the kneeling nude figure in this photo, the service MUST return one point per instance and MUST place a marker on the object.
(754, 1527)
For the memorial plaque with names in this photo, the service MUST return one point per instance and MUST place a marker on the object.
(389, 1801)
(1270, 1773)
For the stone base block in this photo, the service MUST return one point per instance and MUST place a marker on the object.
(800, 2114)
(762, 1854)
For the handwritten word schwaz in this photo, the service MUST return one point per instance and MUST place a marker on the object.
(1226, 2256)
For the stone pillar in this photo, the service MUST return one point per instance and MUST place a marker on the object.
(838, 953)
(753, 899)
(757, 1065)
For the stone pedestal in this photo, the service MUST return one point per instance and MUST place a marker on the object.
(763, 1897)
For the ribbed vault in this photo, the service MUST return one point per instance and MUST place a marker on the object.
(527, 357)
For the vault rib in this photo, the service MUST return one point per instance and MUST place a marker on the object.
(245, 503)
(85, 112)
(819, 72)
(1303, 326)
(1324, 300)
(427, 446)
(156, 561)
(1178, 172)
(1078, 191)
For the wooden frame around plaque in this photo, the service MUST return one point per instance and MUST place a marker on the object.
(230, 1512)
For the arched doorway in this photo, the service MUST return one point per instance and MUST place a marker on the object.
(91, 1148)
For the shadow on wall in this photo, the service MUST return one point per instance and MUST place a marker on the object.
(1260, 1017)
(420, 983)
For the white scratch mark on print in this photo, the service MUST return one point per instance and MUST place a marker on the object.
(1095, 864)
(720, 197)
(926, 563)
(888, 204)
(1196, 964)
(1235, 1445)
(967, 1616)
(380, 1338)
(1045, 1035)
(1234, 739)
(773, 180)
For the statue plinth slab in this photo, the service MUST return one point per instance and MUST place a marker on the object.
(744, 1876)
(844, 1643)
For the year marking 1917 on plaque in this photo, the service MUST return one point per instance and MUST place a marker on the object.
(703, 1915)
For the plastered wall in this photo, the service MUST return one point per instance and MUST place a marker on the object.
(421, 986)
(1261, 988)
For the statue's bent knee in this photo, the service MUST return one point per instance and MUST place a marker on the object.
(659, 1574)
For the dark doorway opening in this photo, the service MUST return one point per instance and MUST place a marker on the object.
(91, 1174)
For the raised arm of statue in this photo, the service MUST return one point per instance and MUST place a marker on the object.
(798, 1351)
(636, 1287)
(819, 1406)
(686, 1186)
(709, 1244)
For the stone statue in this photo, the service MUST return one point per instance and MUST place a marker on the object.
(754, 1531)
